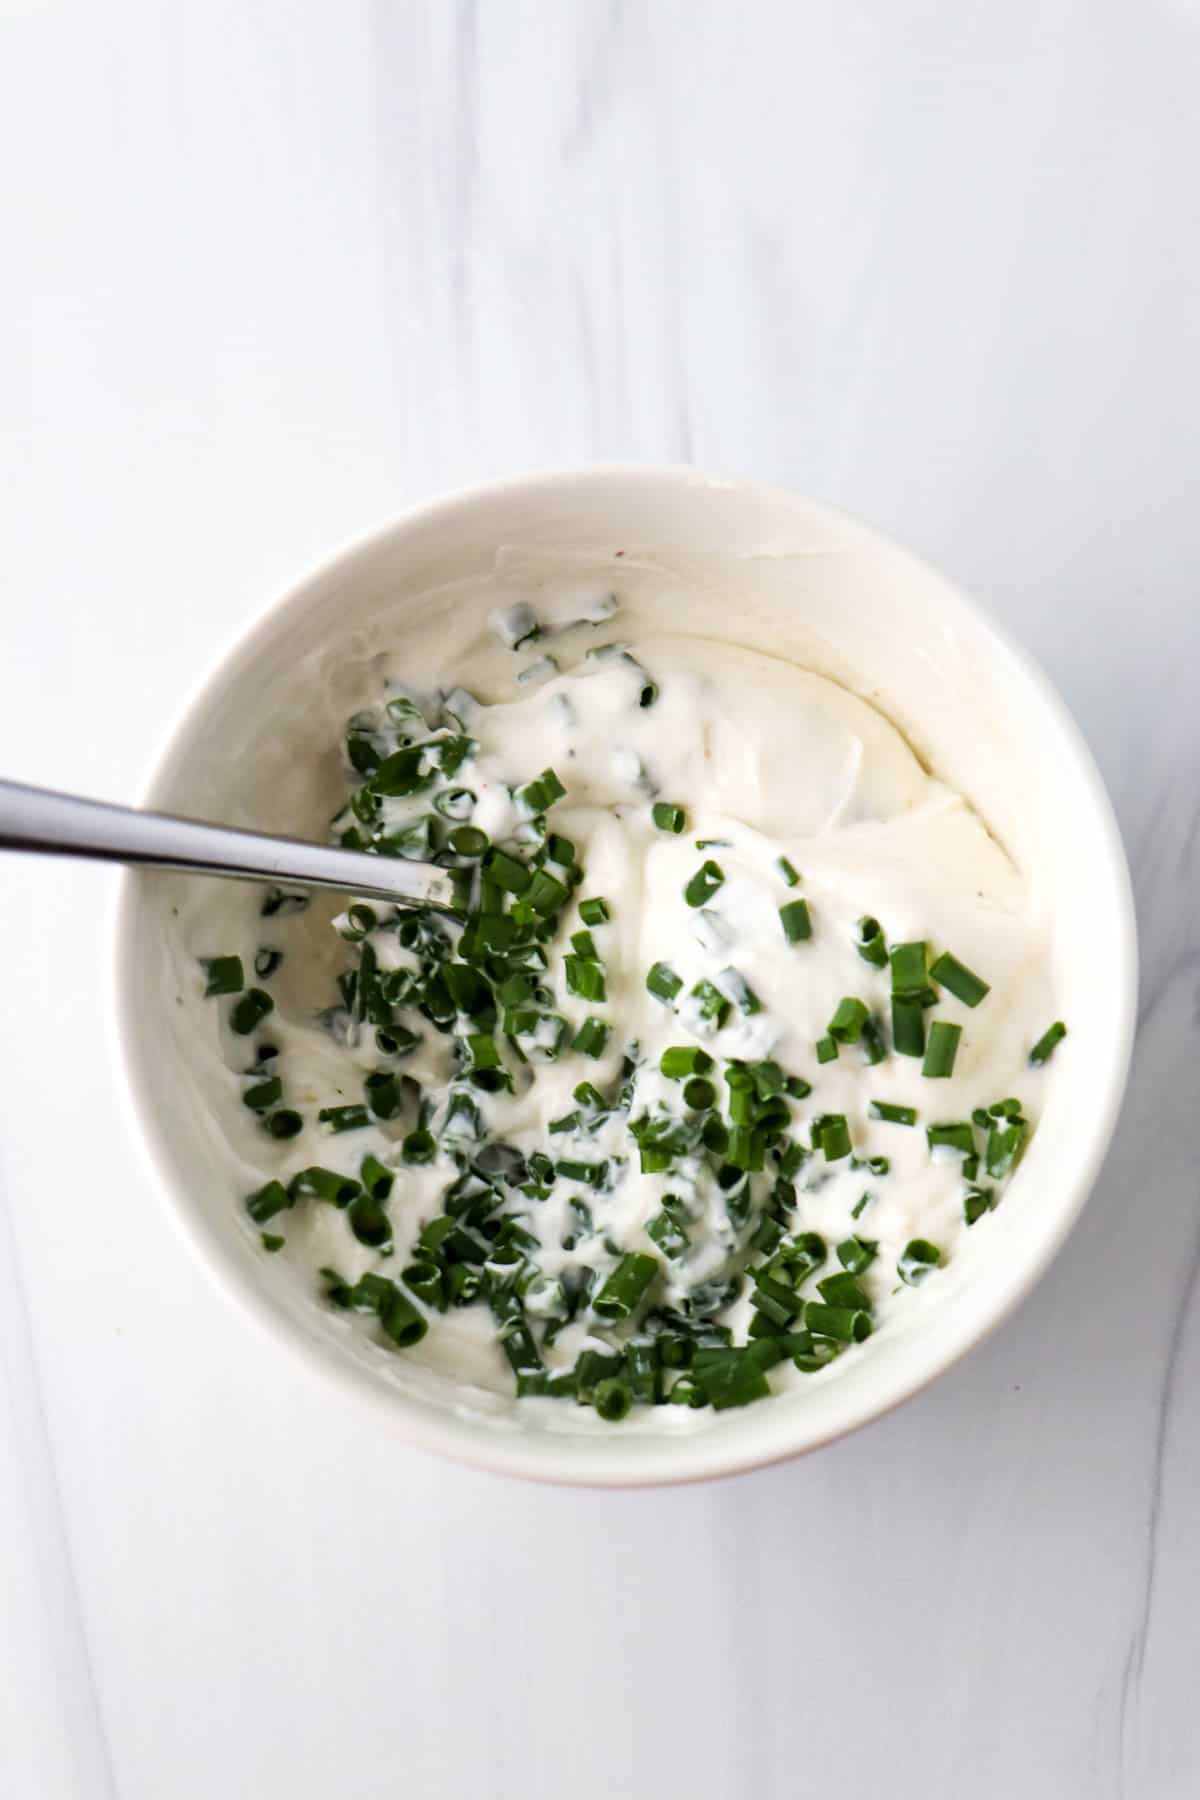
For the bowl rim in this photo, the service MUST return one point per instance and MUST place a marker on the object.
(701, 1456)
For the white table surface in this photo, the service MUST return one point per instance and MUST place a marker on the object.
(270, 271)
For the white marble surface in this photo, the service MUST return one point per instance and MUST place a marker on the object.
(267, 273)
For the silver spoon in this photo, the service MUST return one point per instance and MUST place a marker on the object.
(63, 825)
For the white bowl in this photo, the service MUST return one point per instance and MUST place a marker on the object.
(778, 573)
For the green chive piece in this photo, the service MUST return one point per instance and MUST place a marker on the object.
(958, 1136)
(683, 1060)
(704, 884)
(908, 1025)
(277, 902)
(271, 1241)
(344, 1118)
(667, 817)
(843, 1324)
(585, 978)
(369, 1222)
(790, 874)
(870, 943)
(1004, 1146)
(712, 1006)
(976, 1202)
(917, 1259)
(225, 975)
(831, 1134)
(538, 796)
(797, 925)
(266, 1201)
(592, 1038)
(376, 1178)
(468, 840)
(1046, 1045)
(857, 1253)
(506, 871)
(847, 1022)
(626, 1286)
(892, 1114)
(401, 1321)
(283, 1123)
(842, 1289)
(263, 1095)
(419, 1146)
(266, 961)
(826, 1050)
(546, 893)
(910, 974)
(699, 1094)
(249, 1011)
(594, 912)
(661, 981)
(612, 1399)
(584, 944)
(962, 982)
(669, 1235)
(942, 1050)
(322, 1185)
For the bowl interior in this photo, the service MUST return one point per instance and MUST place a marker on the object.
(759, 568)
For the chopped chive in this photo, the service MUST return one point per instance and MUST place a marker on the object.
(847, 1022)
(878, 1165)
(667, 817)
(826, 1049)
(376, 1178)
(266, 1201)
(704, 884)
(546, 893)
(612, 1399)
(1004, 1146)
(506, 871)
(870, 943)
(831, 1134)
(874, 1048)
(790, 874)
(626, 1286)
(249, 1011)
(797, 925)
(892, 1114)
(669, 1235)
(594, 912)
(957, 1136)
(344, 1118)
(942, 1049)
(699, 1094)
(419, 1146)
(909, 972)
(684, 1059)
(585, 978)
(1046, 1045)
(857, 1253)
(263, 1095)
(468, 840)
(908, 1025)
(797, 1087)
(918, 1257)
(860, 1207)
(571, 1170)
(841, 1323)
(369, 1222)
(401, 1321)
(661, 981)
(271, 1241)
(382, 1088)
(962, 982)
(977, 1201)
(539, 796)
(712, 1006)
(225, 975)
(283, 1123)
(592, 1038)
(266, 961)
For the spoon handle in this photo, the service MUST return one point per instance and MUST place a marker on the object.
(64, 825)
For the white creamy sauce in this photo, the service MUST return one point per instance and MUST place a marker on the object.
(772, 762)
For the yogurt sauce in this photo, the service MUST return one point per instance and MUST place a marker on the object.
(770, 762)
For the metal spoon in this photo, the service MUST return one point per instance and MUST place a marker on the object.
(64, 825)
